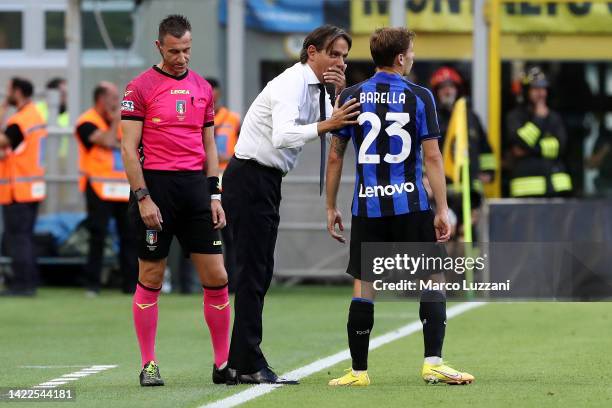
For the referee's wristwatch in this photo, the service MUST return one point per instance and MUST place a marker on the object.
(141, 193)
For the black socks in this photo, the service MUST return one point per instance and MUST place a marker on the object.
(432, 312)
(359, 327)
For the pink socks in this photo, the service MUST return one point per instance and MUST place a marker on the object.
(144, 309)
(217, 314)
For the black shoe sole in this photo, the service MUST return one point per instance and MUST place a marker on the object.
(152, 385)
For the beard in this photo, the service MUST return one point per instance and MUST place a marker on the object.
(447, 102)
(12, 101)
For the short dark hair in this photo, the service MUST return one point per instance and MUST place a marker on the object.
(214, 82)
(99, 91)
(55, 83)
(386, 43)
(24, 85)
(175, 24)
(323, 36)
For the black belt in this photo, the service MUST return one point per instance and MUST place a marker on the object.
(255, 163)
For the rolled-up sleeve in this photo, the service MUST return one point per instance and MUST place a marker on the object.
(286, 94)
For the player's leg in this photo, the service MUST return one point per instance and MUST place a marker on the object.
(217, 311)
(145, 312)
(361, 310)
(432, 313)
(358, 327)
(153, 247)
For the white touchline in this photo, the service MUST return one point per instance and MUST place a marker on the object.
(259, 390)
(64, 379)
(58, 366)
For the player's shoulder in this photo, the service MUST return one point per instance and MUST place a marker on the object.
(352, 90)
(199, 80)
(142, 78)
(141, 84)
(419, 91)
(194, 76)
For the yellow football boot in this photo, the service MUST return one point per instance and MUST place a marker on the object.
(351, 380)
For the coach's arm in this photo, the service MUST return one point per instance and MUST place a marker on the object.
(335, 162)
(286, 133)
(435, 173)
(132, 133)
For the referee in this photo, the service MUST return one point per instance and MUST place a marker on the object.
(291, 110)
(168, 110)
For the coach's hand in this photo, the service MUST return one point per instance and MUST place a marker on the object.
(218, 215)
(335, 75)
(150, 214)
(335, 217)
(341, 116)
(442, 226)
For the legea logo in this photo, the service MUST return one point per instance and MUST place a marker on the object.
(383, 191)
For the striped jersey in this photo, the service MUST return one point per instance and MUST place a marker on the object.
(396, 116)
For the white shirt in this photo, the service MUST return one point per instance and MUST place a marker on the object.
(282, 119)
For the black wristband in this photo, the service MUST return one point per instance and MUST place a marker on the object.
(141, 193)
(214, 186)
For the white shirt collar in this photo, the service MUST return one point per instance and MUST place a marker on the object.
(311, 78)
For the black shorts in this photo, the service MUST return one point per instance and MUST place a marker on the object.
(184, 202)
(416, 227)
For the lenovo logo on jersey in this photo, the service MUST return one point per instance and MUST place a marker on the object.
(383, 191)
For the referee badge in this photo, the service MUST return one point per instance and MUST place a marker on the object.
(151, 237)
(181, 109)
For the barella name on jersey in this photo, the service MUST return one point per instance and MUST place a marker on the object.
(383, 191)
(382, 97)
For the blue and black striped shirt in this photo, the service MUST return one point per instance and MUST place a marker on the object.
(396, 116)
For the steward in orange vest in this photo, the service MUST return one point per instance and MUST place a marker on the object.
(104, 182)
(22, 184)
(100, 161)
(227, 127)
(22, 172)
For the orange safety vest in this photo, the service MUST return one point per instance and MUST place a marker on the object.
(22, 170)
(227, 125)
(100, 165)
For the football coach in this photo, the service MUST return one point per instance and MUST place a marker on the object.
(293, 109)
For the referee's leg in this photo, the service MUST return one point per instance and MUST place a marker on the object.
(251, 198)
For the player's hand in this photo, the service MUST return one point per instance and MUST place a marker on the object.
(344, 115)
(218, 215)
(442, 226)
(150, 214)
(335, 217)
(335, 75)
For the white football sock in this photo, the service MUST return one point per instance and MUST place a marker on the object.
(433, 360)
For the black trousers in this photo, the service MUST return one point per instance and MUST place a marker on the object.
(251, 198)
(99, 213)
(18, 239)
(229, 257)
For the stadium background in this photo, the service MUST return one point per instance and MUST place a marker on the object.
(570, 41)
(117, 44)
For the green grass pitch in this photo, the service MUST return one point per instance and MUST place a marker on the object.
(522, 354)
